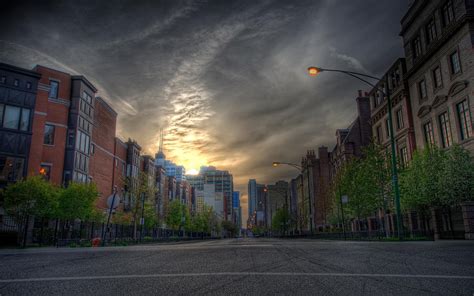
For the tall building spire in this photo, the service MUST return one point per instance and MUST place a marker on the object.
(160, 149)
(160, 154)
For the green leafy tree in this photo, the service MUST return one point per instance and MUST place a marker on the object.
(175, 215)
(140, 191)
(31, 197)
(437, 178)
(366, 181)
(77, 201)
(281, 220)
(458, 179)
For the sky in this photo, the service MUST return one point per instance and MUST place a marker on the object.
(225, 80)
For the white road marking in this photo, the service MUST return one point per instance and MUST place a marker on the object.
(232, 274)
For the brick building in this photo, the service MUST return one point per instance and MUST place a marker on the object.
(350, 141)
(18, 89)
(103, 145)
(318, 170)
(120, 166)
(438, 41)
(401, 112)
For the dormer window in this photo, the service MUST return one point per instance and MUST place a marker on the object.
(430, 31)
(447, 13)
(416, 45)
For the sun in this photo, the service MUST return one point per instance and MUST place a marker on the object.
(192, 172)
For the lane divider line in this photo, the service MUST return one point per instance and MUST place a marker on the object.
(231, 274)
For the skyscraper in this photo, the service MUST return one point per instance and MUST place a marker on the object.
(252, 197)
(223, 187)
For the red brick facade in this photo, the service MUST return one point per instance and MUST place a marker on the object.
(107, 162)
(52, 112)
(102, 164)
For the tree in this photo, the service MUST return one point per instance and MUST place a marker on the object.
(31, 197)
(458, 180)
(437, 178)
(230, 228)
(366, 181)
(175, 215)
(281, 220)
(140, 190)
(77, 201)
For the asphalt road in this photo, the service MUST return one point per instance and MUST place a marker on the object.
(244, 267)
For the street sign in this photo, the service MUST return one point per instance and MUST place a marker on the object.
(116, 202)
(344, 199)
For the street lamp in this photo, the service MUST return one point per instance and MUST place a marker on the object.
(314, 71)
(300, 168)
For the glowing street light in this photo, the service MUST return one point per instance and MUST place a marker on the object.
(313, 71)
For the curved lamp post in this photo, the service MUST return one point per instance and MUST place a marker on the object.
(314, 71)
(300, 168)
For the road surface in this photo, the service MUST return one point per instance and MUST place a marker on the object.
(244, 267)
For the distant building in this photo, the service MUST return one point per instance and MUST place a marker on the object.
(133, 172)
(252, 197)
(237, 217)
(293, 199)
(260, 209)
(351, 140)
(438, 40)
(276, 198)
(220, 195)
(318, 170)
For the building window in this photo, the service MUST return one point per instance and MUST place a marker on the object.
(379, 134)
(395, 78)
(28, 85)
(45, 171)
(25, 119)
(445, 130)
(447, 13)
(11, 168)
(400, 118)
(430, 31)
(81, 162)
(403, 156)
(14, 117)
(455, 64)
(422, 89)
(16, 82)
(86, 104)
(11, 117)
(416, 45)
(92, 149)
(53, 89)
(437, 80)
(428, 133)
(465, 122)
(48, 134)
(82, 142)
(3, 79)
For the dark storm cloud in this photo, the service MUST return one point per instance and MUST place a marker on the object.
(225, 79)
